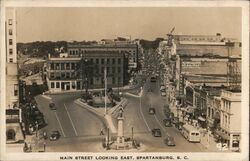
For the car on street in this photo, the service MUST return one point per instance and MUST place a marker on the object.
(167, 122)
(163, 88)
(52, 106)
(169, 141)
(156, 132)
(55, 135)
(163, 94)
(151, 111)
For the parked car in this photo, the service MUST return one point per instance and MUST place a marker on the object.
(151, 111)
(52, 106)
(163, 88)
(167, 122)
(156, 132)
(169, 141)
(54, 135)
(163, 94)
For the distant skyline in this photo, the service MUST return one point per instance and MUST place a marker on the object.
(93, 23)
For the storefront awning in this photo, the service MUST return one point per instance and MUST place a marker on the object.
(201, 118)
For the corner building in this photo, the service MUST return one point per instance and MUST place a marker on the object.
(70, 72)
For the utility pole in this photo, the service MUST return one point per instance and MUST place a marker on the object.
(105, 90)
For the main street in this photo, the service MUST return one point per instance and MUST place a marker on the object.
(80, 128)
(136, 116)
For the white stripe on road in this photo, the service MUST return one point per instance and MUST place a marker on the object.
(160, 124)
(143, 117)
(71, 120)
(60, 124)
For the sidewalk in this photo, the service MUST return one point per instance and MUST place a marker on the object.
(36, 142)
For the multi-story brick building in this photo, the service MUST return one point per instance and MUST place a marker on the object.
(129, 48)
(86, 70)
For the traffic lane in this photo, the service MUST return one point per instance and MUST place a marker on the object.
(182, 142)
(49, 115)
(84, 122)
(133, 117)
(64, 119)
(151, 119)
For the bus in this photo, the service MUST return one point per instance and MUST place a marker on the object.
(191, 133)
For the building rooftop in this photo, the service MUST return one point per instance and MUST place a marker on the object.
(112, 45)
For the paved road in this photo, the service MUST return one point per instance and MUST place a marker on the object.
(71, 120)
(137, 116)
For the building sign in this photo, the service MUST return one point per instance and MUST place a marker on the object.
(191, 64)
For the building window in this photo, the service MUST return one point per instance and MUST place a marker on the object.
(57, 84)
(113, 69)
(62, 66)
(119, 60)
(107, 70)
(10, 32)
(67, 75)
(11, 60)
(10, 51)
(119, 69)
(11, 134)
(73, 66)
(108, 61)
(113, 80)
(97, 61)
(10, 21)
(119, 80)
(10, 42)
(52, 85)
(16, 90)
(63, 75)
(102, 70)
(57, 66)
(113, 61)
(52, 75)
(52, 67)
(73, 85)
(67, 66)
(102, 61)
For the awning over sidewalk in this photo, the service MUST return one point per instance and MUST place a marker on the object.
(201, 118)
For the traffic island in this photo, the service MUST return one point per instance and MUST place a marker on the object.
(120, 142)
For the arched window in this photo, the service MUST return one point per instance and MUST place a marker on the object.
(11, 134)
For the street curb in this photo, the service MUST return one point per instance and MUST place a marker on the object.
(108, 120)
(46, 96)
(133, 95)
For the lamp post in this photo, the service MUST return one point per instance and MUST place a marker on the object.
(85, 75)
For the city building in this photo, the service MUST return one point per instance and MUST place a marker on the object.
(230, 122)
(117, 46)
(86, 70)
(12, 88)
(14, 133)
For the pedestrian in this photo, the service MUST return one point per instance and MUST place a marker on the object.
(101, 133)
(45, 135)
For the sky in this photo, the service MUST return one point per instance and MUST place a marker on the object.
(96, 23)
